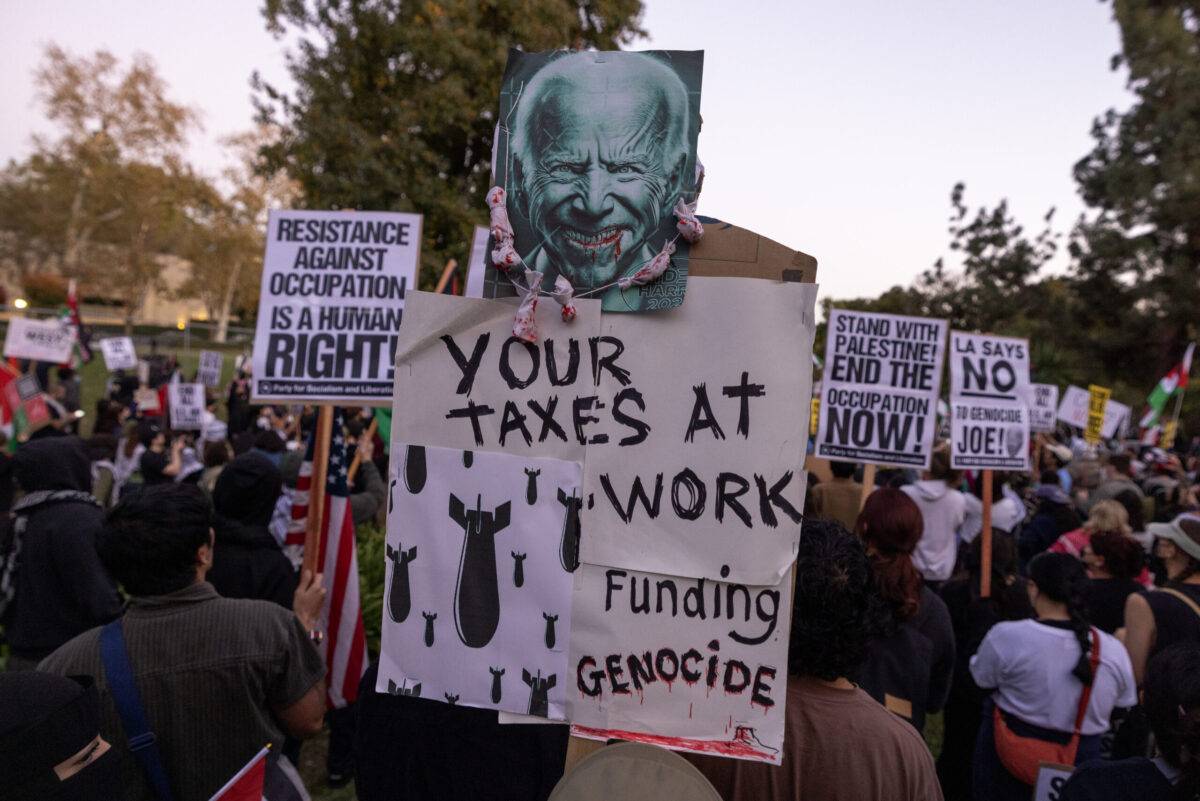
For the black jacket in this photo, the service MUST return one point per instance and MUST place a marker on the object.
(61, 587)
(247, 560)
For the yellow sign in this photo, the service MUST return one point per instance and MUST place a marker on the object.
(1097, 401)
(1167, 440)
(814, 415)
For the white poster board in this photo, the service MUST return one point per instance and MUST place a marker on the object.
(186, 402)
(209, 371)
(477, 263)
(1042, 400)
(989, 426)
(333, 291)
(1051, 779)
(39, 340)
(879, 390)
(477, 607)
(1073, 410)
(118, 353)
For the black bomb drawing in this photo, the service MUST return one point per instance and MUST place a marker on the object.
(531, 487)
(568, 549)
(539, 692)
(496, 689)
(414, 468)
(429, 618)
(477, 595)
(550, 621)
(518, 569)
(399, 598)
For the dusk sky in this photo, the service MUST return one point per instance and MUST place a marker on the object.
(835, 128)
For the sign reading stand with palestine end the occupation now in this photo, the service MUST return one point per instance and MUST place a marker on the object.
(989, 380)
(333, 290)
(883, 373)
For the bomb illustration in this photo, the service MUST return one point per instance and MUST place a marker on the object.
(451, 699)
(468, 458)
(429, 618)
(568, 549)
(539, 692)
(414, 468)
(550, 620)
(496, 674)
(477, 596)
(531, 486)
(391, 496)
(399, 601)
(518, 569)
(394, 689)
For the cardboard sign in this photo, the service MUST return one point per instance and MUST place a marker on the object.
(883, 373)
(118, 353)
(1073, 410)
(333, 291)
(186, 403)
(39, 340)
(587, 199)
(989, 376)
(1051, 779)
(688, 664)
(1097, 402)
(477, 608)
(209, 371)
(1042, 400)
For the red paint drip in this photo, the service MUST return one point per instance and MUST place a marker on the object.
(742, 746)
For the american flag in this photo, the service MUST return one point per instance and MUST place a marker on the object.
(337, 558)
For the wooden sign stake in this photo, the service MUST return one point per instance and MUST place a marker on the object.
(368, 435)
(316, 490)
(985, 559)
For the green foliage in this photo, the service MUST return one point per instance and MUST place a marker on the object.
(396, 101)
(45, 291)
(372, 574)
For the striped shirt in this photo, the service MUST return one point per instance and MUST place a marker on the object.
(209, 670)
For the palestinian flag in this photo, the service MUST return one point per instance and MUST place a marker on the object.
(1174, 381)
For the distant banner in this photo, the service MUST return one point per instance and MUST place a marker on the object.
(1097, 403)
(40, 340)
(186, 402)
(883, 373)
(1042, 400)
(209, 372)
(989, 377)
(333, 291)
(118, 353)
(1073, 410)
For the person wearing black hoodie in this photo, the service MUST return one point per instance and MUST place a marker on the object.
(247, 560)
(59, 587)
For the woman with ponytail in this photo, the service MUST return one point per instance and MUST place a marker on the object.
(910, 663)
(1055, 681)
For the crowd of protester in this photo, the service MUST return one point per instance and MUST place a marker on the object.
(1085, 642)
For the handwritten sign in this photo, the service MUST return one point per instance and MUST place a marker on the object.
(118, 353)
(1042, 400)
(883, 373)
(209, 371)
(989, 376)
(186, 402)
(40, 340)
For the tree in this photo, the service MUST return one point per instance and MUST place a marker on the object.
(396, 101)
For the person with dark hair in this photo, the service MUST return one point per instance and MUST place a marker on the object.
(1118, 477)
(159, 464)
(972, 617)
(1160, 618)
(943, 510)
(1172, 703)
(51, 748)
(218, 677)
(247, 559)
(1053, 517)
(1040, 671)
(839, 743)
(840, 498)
(52, 584)
(216, 456)
(1113, 560)
(909, 664)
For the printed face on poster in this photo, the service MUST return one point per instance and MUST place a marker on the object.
(39, 340)
(333, 291)
(594, 149)
(186, 402)
(879, 391)
(209, 371)
(118, 353)
(1042, 400)
(989, 376)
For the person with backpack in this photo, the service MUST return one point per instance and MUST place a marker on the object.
(52, 583)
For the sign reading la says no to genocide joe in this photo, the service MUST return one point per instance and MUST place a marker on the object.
(989, 380)
(332, 298)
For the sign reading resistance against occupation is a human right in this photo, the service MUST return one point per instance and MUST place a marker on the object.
(883, 373)
(333, 291)
(989, 379)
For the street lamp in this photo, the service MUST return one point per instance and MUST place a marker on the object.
(21, 303)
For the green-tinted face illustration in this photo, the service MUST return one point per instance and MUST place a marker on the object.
(602, 150)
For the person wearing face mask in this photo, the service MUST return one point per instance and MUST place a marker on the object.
(51, 748)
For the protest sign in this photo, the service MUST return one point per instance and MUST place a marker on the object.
(595, 218)
(118, 353)
(146, 400)
(40, 340)
(477, 263)
(23, 393)
(477, 607)
(1097, 402)
(209, 371)
(879, 391)
(814, 409)
(989, 418)
(1051, 779)
(1073, 410)
(333, 290)
(186, 403)
(688, 664)
(1042, 400)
